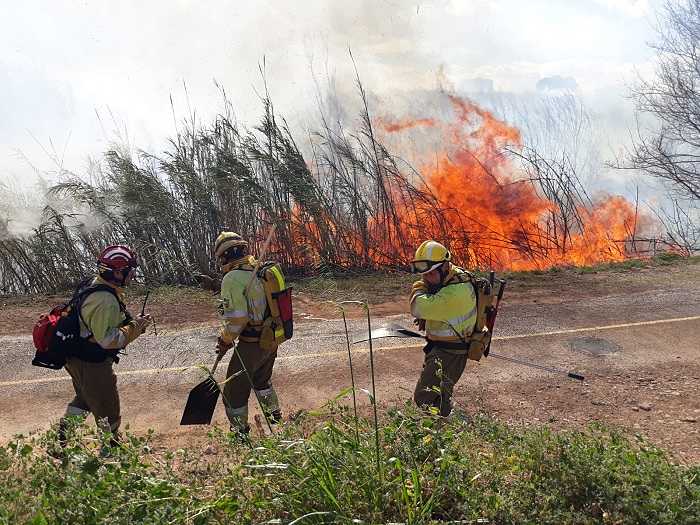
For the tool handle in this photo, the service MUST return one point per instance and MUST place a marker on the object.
(145, 300)
(261, 256)
(573, 375)
(216, 363)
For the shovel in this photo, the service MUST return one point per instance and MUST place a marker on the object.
(202, 400)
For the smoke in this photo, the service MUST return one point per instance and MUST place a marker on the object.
(403, 52)
(23, 210)
(20, 212)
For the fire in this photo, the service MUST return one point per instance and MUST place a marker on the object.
(395, 126)
(501, 219)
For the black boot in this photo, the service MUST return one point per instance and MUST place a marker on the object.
(275, 416)
(245, 430)
(62, 433)
(57, 450)
(241, 435)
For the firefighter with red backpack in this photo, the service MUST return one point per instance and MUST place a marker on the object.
(255, 309)
(104, 328)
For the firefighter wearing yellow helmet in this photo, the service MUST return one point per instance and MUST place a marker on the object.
(242, 310)
(444, 303)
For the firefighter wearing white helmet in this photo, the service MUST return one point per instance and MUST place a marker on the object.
(444, 304)
(106, 327)
(242, 310)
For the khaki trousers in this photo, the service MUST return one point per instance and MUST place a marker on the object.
(441, 371)
(95, 386)
(259, 364)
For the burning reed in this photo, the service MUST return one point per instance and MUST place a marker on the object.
(348, 205)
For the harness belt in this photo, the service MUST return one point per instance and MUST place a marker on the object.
(447, 345)
(251, 334)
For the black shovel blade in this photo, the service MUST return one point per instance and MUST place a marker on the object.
(392, 330)
(201, 403)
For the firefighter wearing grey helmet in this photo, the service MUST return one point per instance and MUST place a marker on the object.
(106, 327)
(242, 310)
(443, 302)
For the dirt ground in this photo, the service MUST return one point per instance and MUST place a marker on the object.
(652, 389)
(387, 294)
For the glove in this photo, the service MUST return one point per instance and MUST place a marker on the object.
(419, 287)
(142, 322)
(136, 327)
(223, 346)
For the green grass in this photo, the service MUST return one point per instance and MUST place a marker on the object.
(315, 471)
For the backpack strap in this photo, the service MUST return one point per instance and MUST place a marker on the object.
(80, 296)
(460, 278)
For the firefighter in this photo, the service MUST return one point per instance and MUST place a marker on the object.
(106, 327)
(444, 305)
(243, 309)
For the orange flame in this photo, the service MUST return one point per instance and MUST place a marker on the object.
(396, 126)
(508, 224)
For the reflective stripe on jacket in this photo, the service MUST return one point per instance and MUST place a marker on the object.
(449, 313)
(241, 306)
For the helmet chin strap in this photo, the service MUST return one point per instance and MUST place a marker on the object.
(443, 273)
(121, 283)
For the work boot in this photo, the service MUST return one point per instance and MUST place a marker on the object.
(62, 433)
(111, 445)
(73, 417)
(240, 430)
(275, 416)
(270, 404)
(57, 450)
(240, 435)
(238, 417)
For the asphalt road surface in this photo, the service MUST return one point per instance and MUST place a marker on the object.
(602, 337)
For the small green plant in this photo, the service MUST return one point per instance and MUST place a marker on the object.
(315, 470)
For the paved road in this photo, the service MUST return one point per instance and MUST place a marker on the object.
(312, 366)
(195, 346)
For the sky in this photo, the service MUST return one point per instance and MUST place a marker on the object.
(77, 76)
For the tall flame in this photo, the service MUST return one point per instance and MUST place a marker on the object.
(509, 225)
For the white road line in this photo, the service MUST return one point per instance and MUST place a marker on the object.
(149, 371)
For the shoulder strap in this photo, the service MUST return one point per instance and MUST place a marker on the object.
(83, 294)
(459, 278)
(264, 267)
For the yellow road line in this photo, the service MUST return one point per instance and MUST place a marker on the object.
(148, 371)
(597, 328)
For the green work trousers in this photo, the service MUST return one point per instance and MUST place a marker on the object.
(259, 364)
(441, 371)
(95, 386)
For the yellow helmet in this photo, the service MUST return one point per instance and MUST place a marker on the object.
(227, 240)
(429, 256)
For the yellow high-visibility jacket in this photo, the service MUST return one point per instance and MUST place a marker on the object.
(242, 306)
(102, 318)
(449, 313)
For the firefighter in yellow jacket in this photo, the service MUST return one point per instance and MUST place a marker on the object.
(243, 307)
(106, 327)
(444, 303)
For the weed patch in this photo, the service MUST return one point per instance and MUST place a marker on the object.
(431, 471)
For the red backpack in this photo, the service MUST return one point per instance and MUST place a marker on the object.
(55, 334)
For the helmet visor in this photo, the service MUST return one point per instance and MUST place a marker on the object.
(424, 266)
